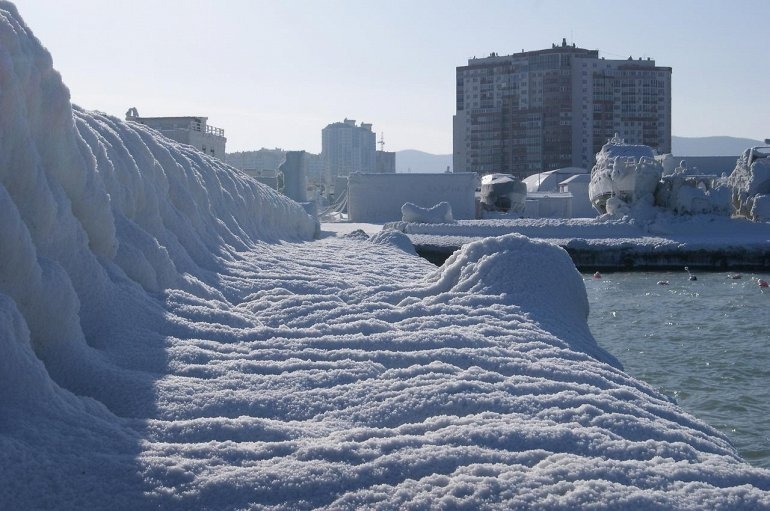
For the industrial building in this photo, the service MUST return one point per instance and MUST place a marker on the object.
(191, 130)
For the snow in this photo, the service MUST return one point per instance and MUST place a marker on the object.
(624, 174)
(645, 229)
(550, 180)
(438, 214)
(750, 182)
(172, 337)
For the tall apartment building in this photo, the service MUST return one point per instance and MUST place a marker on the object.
(193, 131)
(541, 110)
(347, 148)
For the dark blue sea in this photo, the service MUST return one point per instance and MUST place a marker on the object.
(705, 342)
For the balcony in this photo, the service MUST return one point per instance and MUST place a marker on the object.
(199, 126)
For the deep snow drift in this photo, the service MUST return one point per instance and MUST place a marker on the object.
(172, 338)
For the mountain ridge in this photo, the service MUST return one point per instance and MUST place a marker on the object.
(414, 160)
(711, 146)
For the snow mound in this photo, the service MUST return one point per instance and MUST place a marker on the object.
(438, 214)
(394, 238)
(536, 276)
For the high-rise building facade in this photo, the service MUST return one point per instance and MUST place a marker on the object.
(347, 148)
(386, 162)
(541, 110)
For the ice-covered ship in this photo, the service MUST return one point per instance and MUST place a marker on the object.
(624, 172)
(503, 192)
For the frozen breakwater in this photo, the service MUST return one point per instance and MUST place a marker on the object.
(664, 242)
(172, 337)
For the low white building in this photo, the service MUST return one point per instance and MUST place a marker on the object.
(549, 181)
(377, 198)
(192, 130)
(577, 187)
(560, 193)
(548, 205)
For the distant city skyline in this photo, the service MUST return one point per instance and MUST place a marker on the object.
(274, 74)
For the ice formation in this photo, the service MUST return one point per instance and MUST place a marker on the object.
(441, 213)
(98, 218)
(171, 339)
(624, 172)
(627, 176)
(750, 183)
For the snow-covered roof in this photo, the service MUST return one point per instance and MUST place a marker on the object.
(616, 146)
(548, 181)
(492, 179)
(577, 178)
(637, 151)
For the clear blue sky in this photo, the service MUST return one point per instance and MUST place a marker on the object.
(274, 73)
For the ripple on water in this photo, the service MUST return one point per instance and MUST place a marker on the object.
(706, 343)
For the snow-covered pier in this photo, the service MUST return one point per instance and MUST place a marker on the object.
(663, 241)
(628, 256)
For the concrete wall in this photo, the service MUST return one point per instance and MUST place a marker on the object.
(581, 203)
(554, 205)
(294, 180)
(378, 198)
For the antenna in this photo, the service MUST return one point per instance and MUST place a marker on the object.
(382, 141)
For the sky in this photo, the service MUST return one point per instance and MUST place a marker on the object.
(275, 73)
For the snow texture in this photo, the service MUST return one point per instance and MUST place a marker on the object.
(172, 338)
(627, 172)
(441, 213)
(645, 229)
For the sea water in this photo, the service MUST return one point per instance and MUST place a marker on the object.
(704, 342)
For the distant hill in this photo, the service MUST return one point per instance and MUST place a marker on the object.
(711, 146)
(410, 160)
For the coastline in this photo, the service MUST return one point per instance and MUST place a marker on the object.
(612, 258)
(706, 243)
